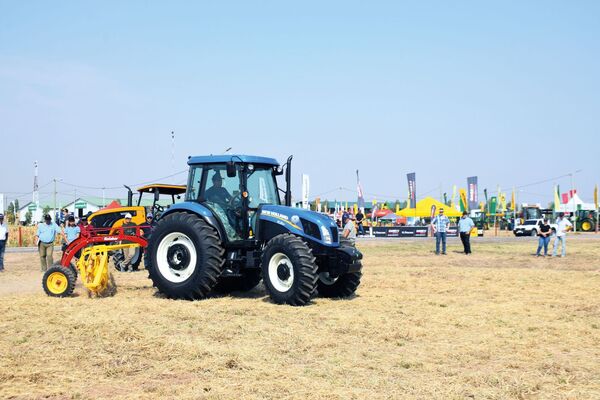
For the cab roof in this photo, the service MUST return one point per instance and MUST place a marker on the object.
(221, 159)
(163, 189)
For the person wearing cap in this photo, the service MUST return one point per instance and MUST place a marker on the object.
(217, 193)
(146, 229)
(44, 237)
(3, 240)
(440, 226)
(465, 225)
(129, 228)
(349, 232)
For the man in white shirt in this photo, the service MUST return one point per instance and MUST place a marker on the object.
(349, 232)
(563, 225)
(3, 241)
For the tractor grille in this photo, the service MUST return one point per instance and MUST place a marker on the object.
(335, 235)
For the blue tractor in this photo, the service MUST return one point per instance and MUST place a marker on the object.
(232, 231)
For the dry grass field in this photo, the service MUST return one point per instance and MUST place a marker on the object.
(499, 324)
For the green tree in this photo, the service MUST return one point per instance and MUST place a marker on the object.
(28, 218)
(46, 210)
(10, 213)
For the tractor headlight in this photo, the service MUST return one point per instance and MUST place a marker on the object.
(325, 235)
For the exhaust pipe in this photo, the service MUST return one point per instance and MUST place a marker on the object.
(288, 181)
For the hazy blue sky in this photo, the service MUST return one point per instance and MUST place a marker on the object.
(507, 91)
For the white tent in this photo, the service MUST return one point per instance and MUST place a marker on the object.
(574, 203)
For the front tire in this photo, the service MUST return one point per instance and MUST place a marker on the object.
(184, 257)
(343, 286)
(533, 233)
(289, 270)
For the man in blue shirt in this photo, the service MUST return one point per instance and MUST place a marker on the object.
(465, 225)
(440, 225)
(45, 236)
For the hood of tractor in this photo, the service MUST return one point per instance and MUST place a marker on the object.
(305, 223)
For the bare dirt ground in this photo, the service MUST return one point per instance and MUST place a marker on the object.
(500, 324)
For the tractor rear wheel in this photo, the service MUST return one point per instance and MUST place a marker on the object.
(184, 257)
(58, 281)
(248, 281)
(587, 225)
(343, 286)
(289, 270)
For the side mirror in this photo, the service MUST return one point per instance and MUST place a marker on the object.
(231, 171)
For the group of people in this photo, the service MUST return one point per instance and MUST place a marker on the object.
(440, 224)
(563, 225)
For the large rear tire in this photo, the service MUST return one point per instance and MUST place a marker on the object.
(248, 281)
(587, 225)
(289, 270)
(184, 256)
(343, 286)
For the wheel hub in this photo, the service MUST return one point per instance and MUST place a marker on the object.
(178, 257)
(283, 271)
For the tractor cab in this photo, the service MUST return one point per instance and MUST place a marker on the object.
(234, 190)
(158, 190)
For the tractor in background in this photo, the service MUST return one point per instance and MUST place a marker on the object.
(233, 230)
(107, 220)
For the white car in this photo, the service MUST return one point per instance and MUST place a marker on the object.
(531, 228)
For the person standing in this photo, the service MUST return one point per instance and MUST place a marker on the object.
(3, 240)
(465, 225)
(360, 217)
(440, 226)
(544, 237)
(563, 225)
(146, 229)
(72, 231)
(129, 228)
(349, 232)
(45, 236)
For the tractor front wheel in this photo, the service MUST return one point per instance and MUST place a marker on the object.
(289, 270)
(184, 256)
(343, 286)
(58, 281)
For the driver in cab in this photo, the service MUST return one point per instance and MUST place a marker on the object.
(217, 193)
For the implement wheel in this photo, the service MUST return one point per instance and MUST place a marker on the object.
(58, 281)
(342, 286)
(184, 257)
(289, 270)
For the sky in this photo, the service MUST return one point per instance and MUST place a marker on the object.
(507, 91)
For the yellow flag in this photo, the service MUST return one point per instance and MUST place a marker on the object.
(464, 204)
(513, 201)
(556, 200)
(596, 196)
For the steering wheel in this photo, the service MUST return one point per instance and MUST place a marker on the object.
(235, 201)
(157, 210)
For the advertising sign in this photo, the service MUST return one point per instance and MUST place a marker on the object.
(472, 192)
(464, 205)
(412, 189)
(408, 231)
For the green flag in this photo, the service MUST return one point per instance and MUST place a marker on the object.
(493, 205)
